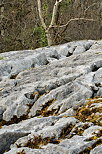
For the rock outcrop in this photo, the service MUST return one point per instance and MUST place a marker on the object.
(51, 100)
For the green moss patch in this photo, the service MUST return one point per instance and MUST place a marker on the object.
(2, 58)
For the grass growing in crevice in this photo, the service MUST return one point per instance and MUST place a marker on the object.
(35, 95)
(78, 130)
(65, 131)
(88, 113)
(13, 76)
(37, 142)
(45, 112)
(87, 150)
(14, 120)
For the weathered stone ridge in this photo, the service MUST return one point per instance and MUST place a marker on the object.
(51, 100)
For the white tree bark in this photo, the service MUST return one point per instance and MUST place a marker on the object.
(55, 13)
(40, 14)
(50, 30)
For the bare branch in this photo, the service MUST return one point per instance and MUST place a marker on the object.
(75, 19)
(51, 29)
(40, 14)
(55, 13)
(89, 7)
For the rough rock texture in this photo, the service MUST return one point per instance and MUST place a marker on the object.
(51, 100)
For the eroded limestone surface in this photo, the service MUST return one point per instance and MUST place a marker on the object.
(51, 100)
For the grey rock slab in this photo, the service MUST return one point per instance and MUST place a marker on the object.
(9, 137)
(33, 124)
(56, 149)
(5, 69)
(17, 61)
(97, 65)
(99, 93)
(2, 109)
(91, 131)
(63, 49)
(98, 76)
(27, 63)
(88, 44)
(62, 97)
(69, 146)
(57, 130)
(97, 150)
(79, 128)
(52, 53)
(25, 150)
(97, 45)
(71, 143)
(13, 67)
(69, 112)
(52, 132)
(76, 144)
(74, 47)
(57, 94)
(76, 98)
(64, 77)
(51, 149)
(18, 109)
(79, 50)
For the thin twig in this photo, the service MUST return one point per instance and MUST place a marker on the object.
(75, 19)
(89, 7)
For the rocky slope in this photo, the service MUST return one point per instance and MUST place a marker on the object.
(51, 100)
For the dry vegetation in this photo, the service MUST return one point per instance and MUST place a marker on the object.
(21, 28)
(91, 113)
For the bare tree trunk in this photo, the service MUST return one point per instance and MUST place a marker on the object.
(50, 33)
(49, 38)
(40, 14)
(50, 30)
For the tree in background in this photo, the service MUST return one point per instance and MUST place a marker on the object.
(21, 26)
(50, 30)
